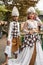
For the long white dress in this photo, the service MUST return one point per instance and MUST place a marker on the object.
(25, 56)
(39, 56)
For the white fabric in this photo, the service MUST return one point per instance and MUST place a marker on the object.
(15, 11)
(31, 9)
(13, 62)
(28, 56)
(32, 23)
(8, 51)
(23, 58)
(10, 30)
(8, 48)
(39, 57)
(38, 20)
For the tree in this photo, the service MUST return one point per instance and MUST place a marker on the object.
(22, 5)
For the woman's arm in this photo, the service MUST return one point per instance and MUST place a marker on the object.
(25, 27)
(36, 30)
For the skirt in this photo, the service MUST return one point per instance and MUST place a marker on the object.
(30, 39)
(15, 44)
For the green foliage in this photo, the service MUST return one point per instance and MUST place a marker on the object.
(3, 11)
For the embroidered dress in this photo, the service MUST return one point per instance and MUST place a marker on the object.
(15, 39)
(30, 39)
(10, 37)
(15, 30)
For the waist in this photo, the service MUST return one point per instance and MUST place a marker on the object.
(16, 36)
(32, 34)
(31, 28)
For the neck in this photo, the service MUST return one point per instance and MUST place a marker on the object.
(15, 20)
(30, 19)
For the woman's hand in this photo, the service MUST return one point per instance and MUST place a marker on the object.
(31, 31)
(8, 43)
(35, 30)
